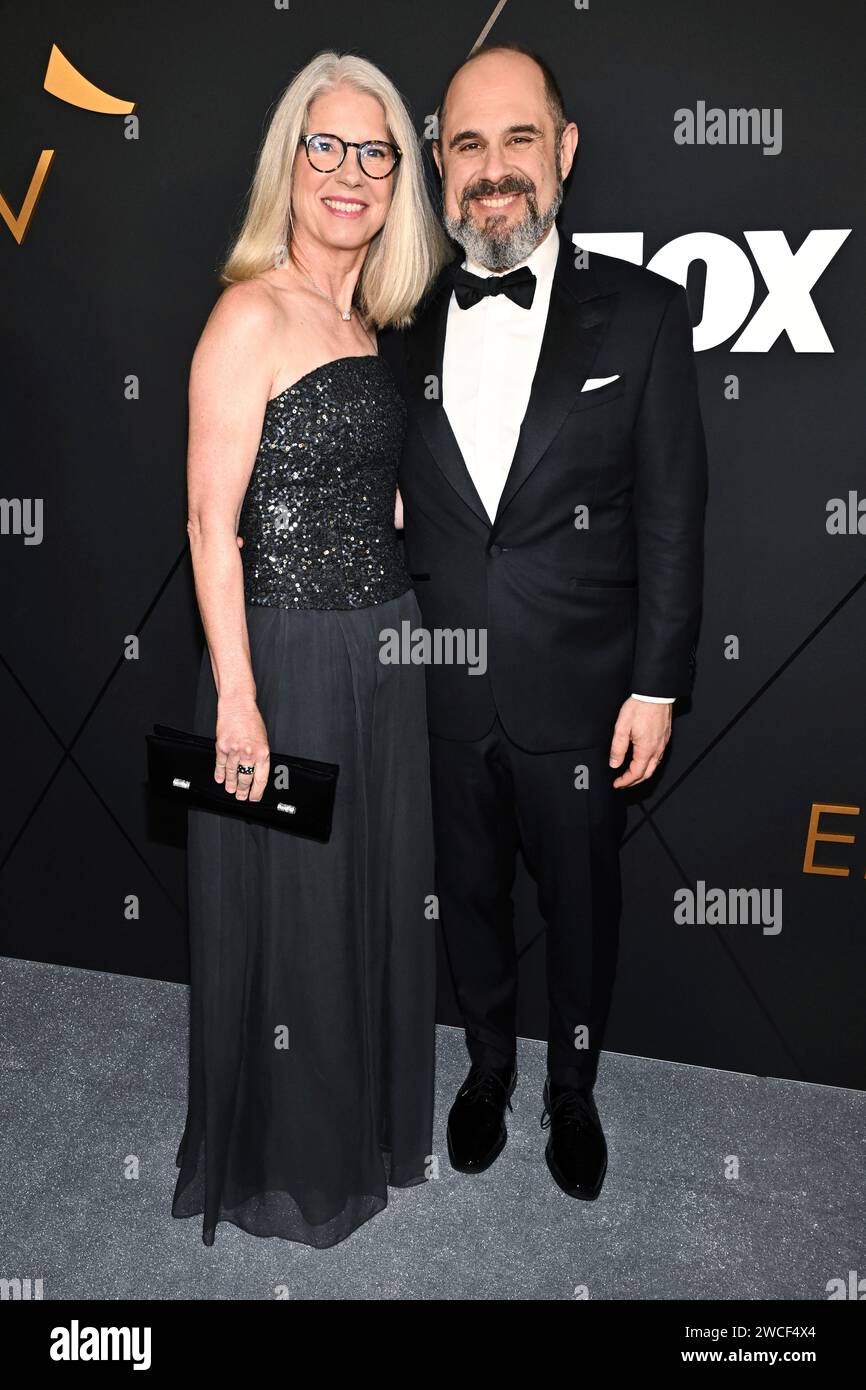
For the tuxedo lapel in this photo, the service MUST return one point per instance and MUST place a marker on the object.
(426, 349)
(577, 320)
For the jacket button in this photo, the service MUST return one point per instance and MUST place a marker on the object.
(495, 549)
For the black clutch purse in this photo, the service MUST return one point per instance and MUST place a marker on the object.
(180, 767)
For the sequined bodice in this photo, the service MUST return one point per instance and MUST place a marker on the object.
(317, 520)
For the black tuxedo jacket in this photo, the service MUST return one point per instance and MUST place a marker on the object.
(576, 617)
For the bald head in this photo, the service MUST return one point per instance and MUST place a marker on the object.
(510, 61)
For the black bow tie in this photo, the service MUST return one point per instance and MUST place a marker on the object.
(519, 285)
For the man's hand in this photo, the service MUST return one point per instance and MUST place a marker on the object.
(647, 727)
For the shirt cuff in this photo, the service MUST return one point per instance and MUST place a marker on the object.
(655, 699)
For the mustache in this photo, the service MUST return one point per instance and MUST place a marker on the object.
(483, 188)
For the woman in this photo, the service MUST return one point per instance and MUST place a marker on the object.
(312, 968)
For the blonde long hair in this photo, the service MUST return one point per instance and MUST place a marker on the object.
(407, 253)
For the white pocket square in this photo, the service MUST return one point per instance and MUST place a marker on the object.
(592, 383)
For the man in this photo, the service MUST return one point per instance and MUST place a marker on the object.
(553, 483)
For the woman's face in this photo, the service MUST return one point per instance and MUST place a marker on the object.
(343, 209)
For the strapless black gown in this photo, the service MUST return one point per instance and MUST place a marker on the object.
(312, 966)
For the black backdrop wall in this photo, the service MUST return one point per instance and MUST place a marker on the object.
(111, 284)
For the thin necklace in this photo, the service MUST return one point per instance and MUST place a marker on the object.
(345, 314)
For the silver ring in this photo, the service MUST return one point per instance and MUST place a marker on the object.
(243, 768)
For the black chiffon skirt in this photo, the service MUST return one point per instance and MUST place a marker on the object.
(312, 985)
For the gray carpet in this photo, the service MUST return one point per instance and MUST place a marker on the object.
(93, 1078)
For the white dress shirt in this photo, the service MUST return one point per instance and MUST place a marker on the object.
(491, 354)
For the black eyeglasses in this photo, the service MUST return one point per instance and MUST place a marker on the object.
(377, 158)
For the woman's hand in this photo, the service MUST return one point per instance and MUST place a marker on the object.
(241, 737)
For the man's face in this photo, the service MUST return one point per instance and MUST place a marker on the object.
(502, 167)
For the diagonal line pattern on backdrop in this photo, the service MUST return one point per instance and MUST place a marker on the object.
(757, 1000)
(497, 11)
(67, 749)
(739, 969)
(753, 699)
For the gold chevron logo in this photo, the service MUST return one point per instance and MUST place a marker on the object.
(18, 223)
(64, 81)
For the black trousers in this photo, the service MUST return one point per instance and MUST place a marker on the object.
(490, 798)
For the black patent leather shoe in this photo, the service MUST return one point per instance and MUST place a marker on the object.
(576, 1151)
(476, 1123)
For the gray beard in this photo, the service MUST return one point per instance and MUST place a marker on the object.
(500, 250)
